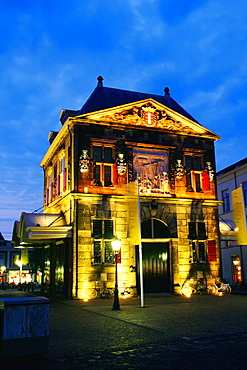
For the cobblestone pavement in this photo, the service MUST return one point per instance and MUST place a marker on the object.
(204, 332)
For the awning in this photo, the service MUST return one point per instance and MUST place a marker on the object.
(227, 230)
(39, 228)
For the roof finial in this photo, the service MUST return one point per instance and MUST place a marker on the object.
(167, 91)
(100, 81)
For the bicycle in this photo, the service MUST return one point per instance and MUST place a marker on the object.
(88, 294)
(128, 292)
(219, 288)
(106, 292)
(97, 292)
(193, 286)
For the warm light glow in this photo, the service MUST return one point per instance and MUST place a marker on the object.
(19, 263)
(3, 268)
(188, 295)
(116, 245)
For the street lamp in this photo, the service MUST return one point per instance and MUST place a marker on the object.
(19, 263)
(116, 245)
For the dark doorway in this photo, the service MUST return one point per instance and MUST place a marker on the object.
(155, 257)
(156, 272)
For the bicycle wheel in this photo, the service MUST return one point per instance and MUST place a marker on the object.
(107, 293)
(92, 293)
(211, 289)
(187, 290)
(228, 290)
(127, 293)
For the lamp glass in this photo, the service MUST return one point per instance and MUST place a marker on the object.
(116, 245)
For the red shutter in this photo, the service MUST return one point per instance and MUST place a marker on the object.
(64, 179)
(58, 186)
(47, 197)
(119, 257)
(114, 174)
(211, 250)
(205, 181)
(50, 193)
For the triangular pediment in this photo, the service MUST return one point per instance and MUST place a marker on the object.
(149, 113)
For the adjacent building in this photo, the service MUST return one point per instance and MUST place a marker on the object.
(120, 150)
(232, 191)
(14, 264)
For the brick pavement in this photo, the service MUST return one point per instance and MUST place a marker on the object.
(205, 332)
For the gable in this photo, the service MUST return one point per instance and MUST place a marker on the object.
(149, 114)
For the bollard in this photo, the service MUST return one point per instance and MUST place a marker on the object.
(24, 326)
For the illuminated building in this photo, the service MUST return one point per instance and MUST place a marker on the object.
(233, 231)
(9, 258)
(116, 138)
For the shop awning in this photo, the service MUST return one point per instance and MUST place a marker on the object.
(227, 230)
(39, 228)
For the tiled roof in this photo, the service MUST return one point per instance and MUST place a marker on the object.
(233, 166)
(107, 97)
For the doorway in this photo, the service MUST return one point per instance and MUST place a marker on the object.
(155, 257)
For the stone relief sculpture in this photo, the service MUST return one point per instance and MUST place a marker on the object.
(151, 172)
(179, 170)
(84, 162)
(210, 171)
(121, 164)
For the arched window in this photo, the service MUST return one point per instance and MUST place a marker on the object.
(154, 229)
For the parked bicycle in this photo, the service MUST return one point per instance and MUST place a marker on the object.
(128, 292)
(219, 288)
(193, 286)
(97, 292)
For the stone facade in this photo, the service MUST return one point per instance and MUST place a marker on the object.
(117, 138)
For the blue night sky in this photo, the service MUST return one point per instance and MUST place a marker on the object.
(52, 52)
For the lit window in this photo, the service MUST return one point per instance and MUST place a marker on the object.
(61, 181)
(49, 186)
(102, 245)
(226, 200)
(197, 235)
(104, 167)
(15, 258)
(236, 269)
(198, 251)
(193, 167)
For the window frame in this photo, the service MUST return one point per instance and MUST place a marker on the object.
(103, 254)
(226, 200)
(102, 234)
(100, 175)
(198, 256)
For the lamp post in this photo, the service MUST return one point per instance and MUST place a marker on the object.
(19, 263)
(116, 245)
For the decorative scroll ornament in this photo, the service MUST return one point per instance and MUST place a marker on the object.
(179, 170)
(84, 162)
(210, 171)
(121, 164)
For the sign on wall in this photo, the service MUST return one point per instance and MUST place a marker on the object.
(239, 215)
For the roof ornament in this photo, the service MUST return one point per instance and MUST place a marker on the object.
(167, 91)
(100, 81)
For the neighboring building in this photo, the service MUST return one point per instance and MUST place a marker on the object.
(10, 259)
(234, 255)
(116, 138)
